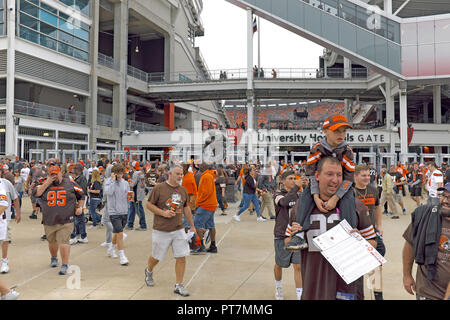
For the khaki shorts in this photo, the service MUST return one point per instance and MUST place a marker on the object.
(162, 241)
(59, 233)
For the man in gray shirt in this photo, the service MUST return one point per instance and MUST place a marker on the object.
(117, 192)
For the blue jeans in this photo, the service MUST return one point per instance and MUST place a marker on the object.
(93, 204)
(247, 199)
(220, 199)
(132, 209)
(79, 227)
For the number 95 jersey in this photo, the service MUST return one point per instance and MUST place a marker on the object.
(58, 202)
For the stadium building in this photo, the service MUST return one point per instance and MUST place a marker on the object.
(133, 73)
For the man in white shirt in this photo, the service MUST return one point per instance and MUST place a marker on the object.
(11, 195)
(25, 171)
(435, 181)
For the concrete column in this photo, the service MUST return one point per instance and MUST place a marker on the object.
(403, 123)
(348, 103)
(425, 112)
(379, 109)
(347, 68)
(390, 105)
(250, 98)
(121, 60)
(169, 116)
(388, 6)
(91, 103)
(10, 143)
(437, 118)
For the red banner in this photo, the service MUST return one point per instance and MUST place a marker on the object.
(410, 134)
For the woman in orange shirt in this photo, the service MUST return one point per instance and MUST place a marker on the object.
(189, 184)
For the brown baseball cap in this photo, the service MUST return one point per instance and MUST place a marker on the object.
(335, 122)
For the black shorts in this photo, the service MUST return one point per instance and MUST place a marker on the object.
(381, 248)
(416, 191)
(118, 222)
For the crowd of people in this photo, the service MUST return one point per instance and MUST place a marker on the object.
(184, 198)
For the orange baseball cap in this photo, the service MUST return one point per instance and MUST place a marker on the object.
(335, 122)
(54, 170)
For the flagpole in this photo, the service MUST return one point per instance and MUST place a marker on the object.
(259, 45)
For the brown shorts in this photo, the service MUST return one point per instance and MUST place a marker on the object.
(59, 233)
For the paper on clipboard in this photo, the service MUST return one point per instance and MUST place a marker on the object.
(349, 254)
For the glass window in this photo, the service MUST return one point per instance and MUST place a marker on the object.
(64, 16)
(48, 8)
(83, 34)
(67, 2)
(84, 26)
(78, 43)
(64, 48)
(1, 17)
(66, 26)
(382, 28)
(36, 2)
(48, 30)
(2, 28)
(347, 11)
(331, 6)
(48, 42)
(80, 54)
(48, 18)
(29, 35)
(28, 21)
(393, 31)
(1, 4)
(84, 6)
(362, 19)
(65, 37)
(29, 8)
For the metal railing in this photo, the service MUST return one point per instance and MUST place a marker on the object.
(107, 61)
(263, 73)
(43, 111)
(137, 73)
(142, 126)
(107, 121)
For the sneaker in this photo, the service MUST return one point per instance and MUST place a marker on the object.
(404, 211)
(237, 218)
(124, 236)
(83, 240)
(385, 213)
(140, 229)
(212, 249)
(279, 293)
(252, 212)
(105, 244)
(73, 241)
(149, 278)
(33, 216)
(260, 219)
(128, 228)
(4, 268)
(53, 262)
(11, 295)
(181, 290)
(224, 213)
(296, 244)
(92, 227)
(199, 250)
(111, 252)
(63, 269)
(123, 260)
(395, 217)
(272, 217)
(43, 238)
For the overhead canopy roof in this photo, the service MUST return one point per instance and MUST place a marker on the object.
(416, 8)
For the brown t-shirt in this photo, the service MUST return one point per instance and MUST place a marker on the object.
(369, 197)
(164, 196)
(320, 280)
(434, 289)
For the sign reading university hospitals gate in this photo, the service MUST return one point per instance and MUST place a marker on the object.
(292, 138)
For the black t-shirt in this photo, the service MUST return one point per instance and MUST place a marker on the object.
(396, 177)
(95, 186)
(373, 174)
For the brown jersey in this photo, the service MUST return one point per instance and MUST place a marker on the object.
(58, 202)
(369, 196)
(320, 280)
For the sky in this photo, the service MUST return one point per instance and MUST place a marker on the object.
(224, 45)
